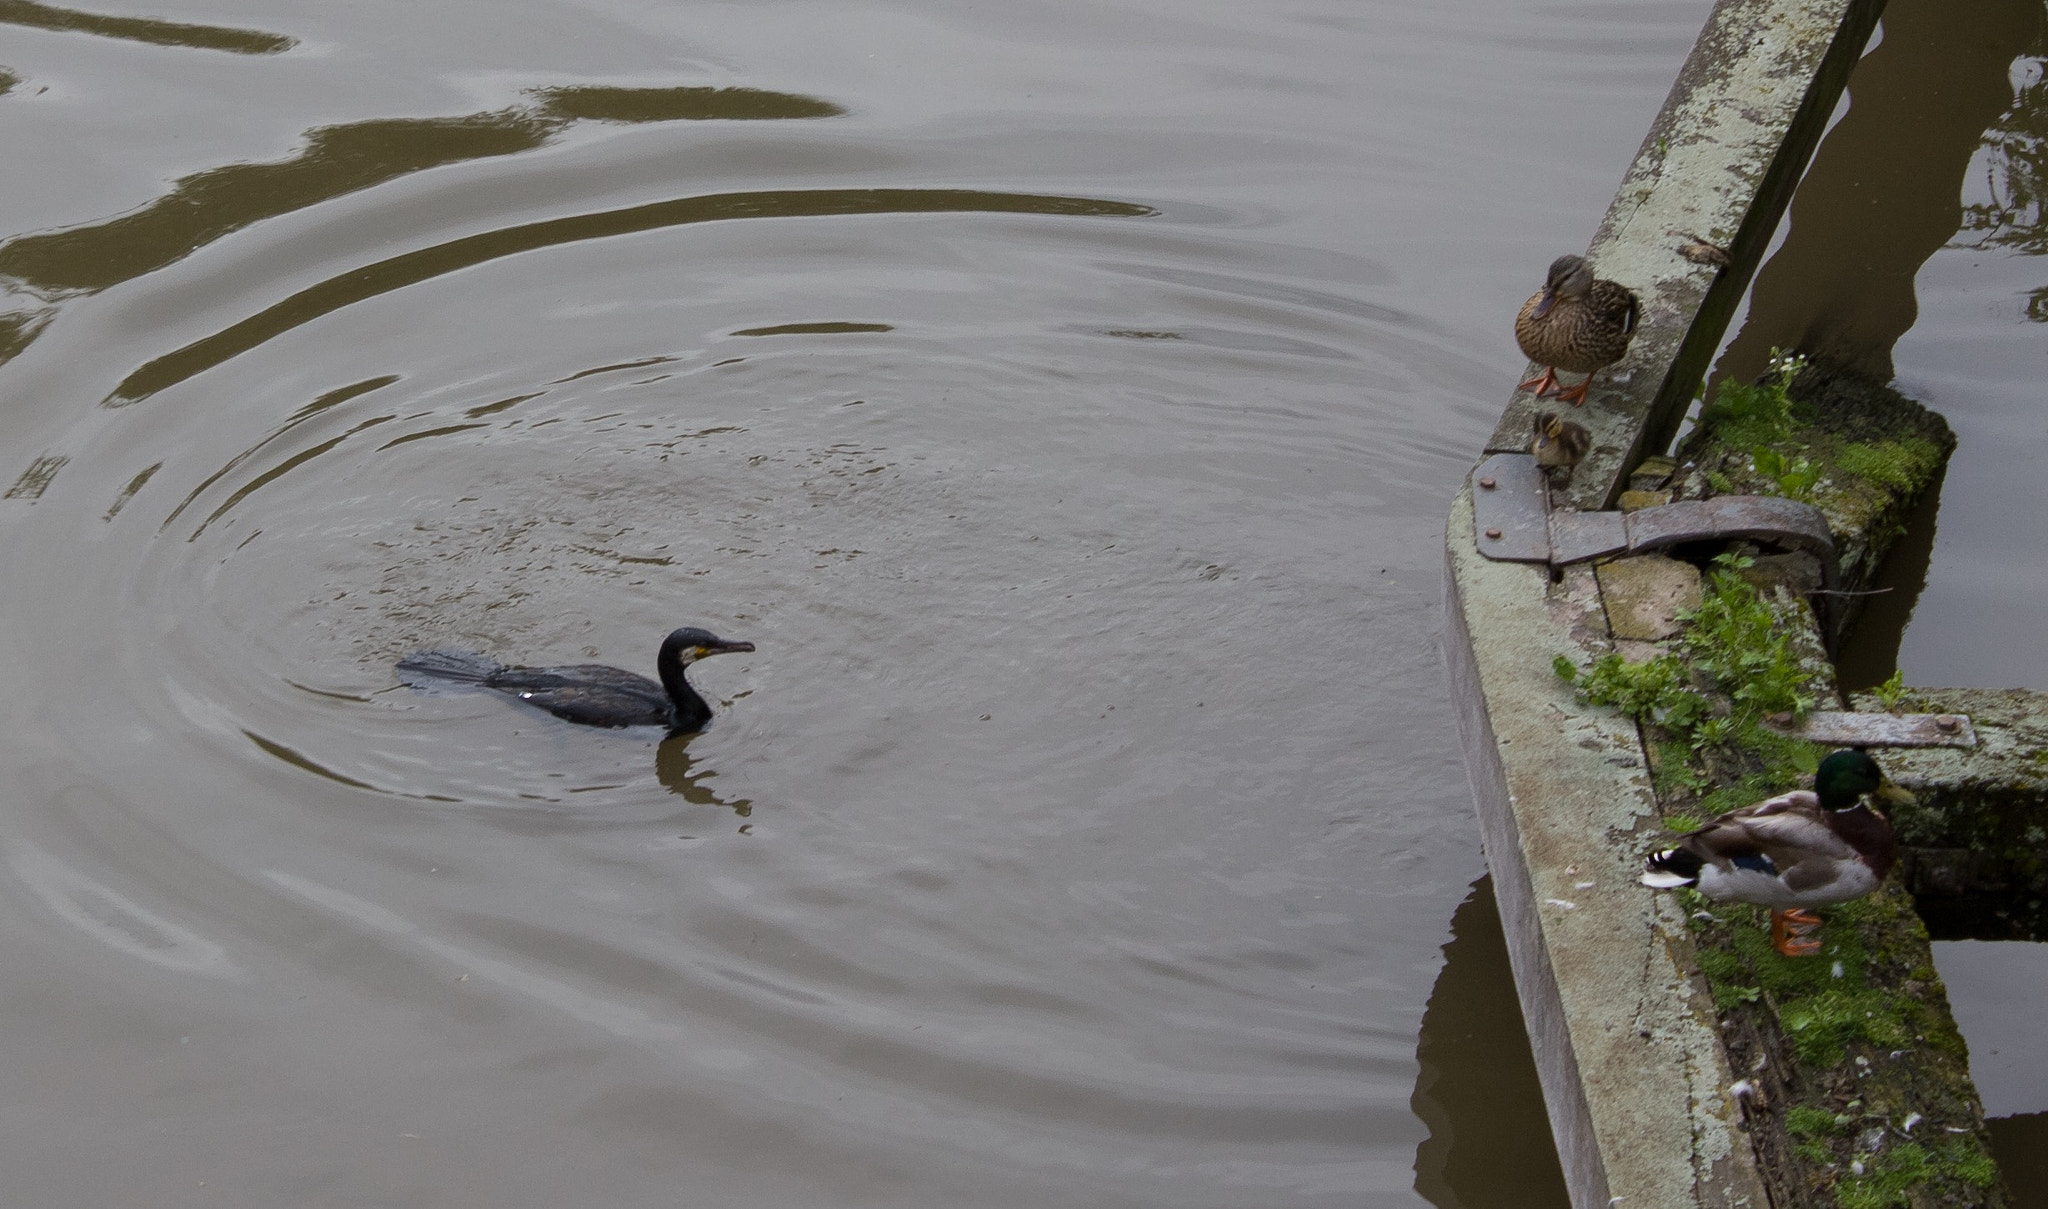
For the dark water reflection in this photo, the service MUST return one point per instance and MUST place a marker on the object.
(1064, 399)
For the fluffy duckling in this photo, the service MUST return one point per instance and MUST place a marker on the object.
(1804, 849)
(1577, 323)
(1559, 444)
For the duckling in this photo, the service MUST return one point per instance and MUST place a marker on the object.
(1577, 323)
(1803, 849)
(1559, 444)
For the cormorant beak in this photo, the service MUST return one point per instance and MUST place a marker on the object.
(1892, 795)
(724, 648)
(1544, 303)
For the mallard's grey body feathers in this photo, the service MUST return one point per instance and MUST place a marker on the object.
(1799, 850)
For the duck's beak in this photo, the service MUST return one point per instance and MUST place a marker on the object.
(1892, 795)
(1544, 303)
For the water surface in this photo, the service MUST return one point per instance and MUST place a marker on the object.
(1064, 398)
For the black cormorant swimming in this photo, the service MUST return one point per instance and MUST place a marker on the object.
(590, 693)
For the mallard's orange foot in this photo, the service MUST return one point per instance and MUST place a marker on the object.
(1793, 932)
(1546, 384)
(1574, 395)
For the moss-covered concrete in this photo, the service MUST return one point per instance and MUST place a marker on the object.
(1684, 1062)
(1861, 452)
(1976, 856)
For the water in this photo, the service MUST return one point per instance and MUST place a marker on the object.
(1064, 398)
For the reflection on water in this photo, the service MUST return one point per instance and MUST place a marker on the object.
(428, 263)
(1489, 1143)
(1884, 190)
(339, 160)
(680, 775)
(1088, 830)
(2021, 1143)
(143, 29)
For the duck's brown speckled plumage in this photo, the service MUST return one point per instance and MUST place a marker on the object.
(1576, 323)
(1558, 443)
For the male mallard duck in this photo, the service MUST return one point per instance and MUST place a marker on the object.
(1577, 323)
(1807, 848)
(1559, 443)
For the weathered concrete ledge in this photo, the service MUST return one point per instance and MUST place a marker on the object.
(1719, 165)
(1623, 1028)
(1976, 858)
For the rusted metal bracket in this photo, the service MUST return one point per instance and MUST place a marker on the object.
(1838, 728)
(1512, 521)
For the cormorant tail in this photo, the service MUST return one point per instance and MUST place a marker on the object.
(462, 667)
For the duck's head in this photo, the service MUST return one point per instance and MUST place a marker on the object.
(1847, 775)
(689, 644)
(1569, 277)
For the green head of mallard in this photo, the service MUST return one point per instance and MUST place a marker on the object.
(1847, 776)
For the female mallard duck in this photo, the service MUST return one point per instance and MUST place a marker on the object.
(1807, 848)
(1559, 444)
(590, 693)
(1577, 323)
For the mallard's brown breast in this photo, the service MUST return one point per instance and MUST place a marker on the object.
(1579, 335)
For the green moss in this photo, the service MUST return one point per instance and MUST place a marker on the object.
(1902, 465)
(1806, 1121)
(1737, 643)
(1821, 1026)
(1816, 1153)
(1747, 416)
(1890, 1176)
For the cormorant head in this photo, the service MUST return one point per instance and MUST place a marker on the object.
(689, 644)
(1844, 777)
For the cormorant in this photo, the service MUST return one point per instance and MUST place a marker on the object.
(591, 694)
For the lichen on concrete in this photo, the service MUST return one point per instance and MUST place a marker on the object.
(1976, 841)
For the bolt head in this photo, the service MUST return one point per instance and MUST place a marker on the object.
(1487, 483)
(1947, 721)
(1494, 534)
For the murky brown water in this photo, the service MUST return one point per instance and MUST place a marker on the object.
(1064, 398)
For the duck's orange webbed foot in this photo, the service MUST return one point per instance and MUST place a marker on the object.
(1793, 932)
(1546, 384)
(1574, 395)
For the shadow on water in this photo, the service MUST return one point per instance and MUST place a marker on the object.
(143, 29)
(1870, 653)
(338, 160)
(1489, 1144)
(678, 773)
(411, 268)
(1883, 193)
(2021, 1144)
(1882, 196)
